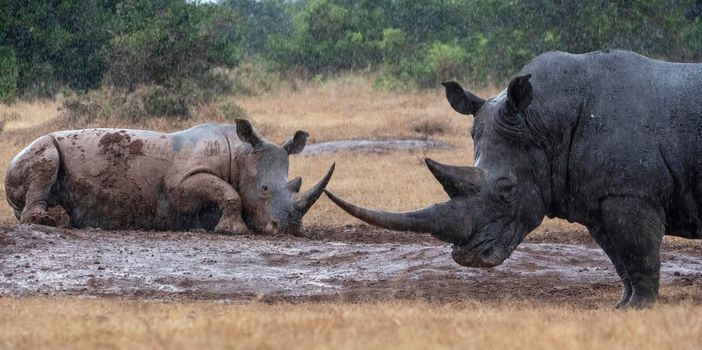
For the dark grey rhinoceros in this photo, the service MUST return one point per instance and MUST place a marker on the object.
(608, 139)
(212, 176)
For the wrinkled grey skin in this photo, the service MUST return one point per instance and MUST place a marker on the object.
(212, 176)
(608, 139)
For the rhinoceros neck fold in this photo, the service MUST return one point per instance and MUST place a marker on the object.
(230, 156)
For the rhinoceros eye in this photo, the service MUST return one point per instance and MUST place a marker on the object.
(506, 190)
(265, 192)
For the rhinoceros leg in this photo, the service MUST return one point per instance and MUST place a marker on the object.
(196, 190)
(32, 175)
(635, 228)
(603, 241)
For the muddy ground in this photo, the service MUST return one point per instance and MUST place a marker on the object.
(351, 263)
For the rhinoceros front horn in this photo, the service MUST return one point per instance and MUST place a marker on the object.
(425, 220)
(303, 201)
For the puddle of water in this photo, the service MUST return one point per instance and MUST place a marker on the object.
(372, 146)
(51, 262)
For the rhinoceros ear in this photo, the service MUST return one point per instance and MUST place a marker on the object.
(297, 143)
(461, 100)
(519, 94)
(246, 132)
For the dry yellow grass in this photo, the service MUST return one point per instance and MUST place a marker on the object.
(41, 323)
(348, 108)
(26, 114)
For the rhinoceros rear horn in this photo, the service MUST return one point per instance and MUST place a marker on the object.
(303, 201)
(458, 181)
(294, 184)
(461, 100)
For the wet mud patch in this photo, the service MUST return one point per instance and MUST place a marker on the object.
(135, 147)
(327, 264)
(118, 149)
(373, 146)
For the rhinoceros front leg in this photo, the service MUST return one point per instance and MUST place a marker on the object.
(201, 188)
(601, 238)
(635, 228)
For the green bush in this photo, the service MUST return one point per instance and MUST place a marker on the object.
(394, 45)
(56, 43)
(387, 82)
(144, 102)
(446, 61)
(81, 108)
(327, 37)
(9, 72)
(171, 45)
(212, 84)
(159, 102)
(231, 111)
(253, 78)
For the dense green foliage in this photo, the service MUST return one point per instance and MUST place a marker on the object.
(425, 41)
(176, 44)
(169, 43)
(56, 42)
(9, 72)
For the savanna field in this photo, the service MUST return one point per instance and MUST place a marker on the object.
(343, 108)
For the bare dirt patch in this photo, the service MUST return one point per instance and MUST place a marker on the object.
(352, 263)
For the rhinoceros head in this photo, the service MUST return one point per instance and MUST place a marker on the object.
(271, 203)
(494, 204)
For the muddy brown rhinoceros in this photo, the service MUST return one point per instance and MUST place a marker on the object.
(211, 176)
(608, 139)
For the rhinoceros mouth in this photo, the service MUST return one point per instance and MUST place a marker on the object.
(250, 223)
(476, 255)
(289, 223)
(489, 249)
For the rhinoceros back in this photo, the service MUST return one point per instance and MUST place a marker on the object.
(113, 178)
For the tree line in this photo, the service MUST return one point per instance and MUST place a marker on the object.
(49, 45)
